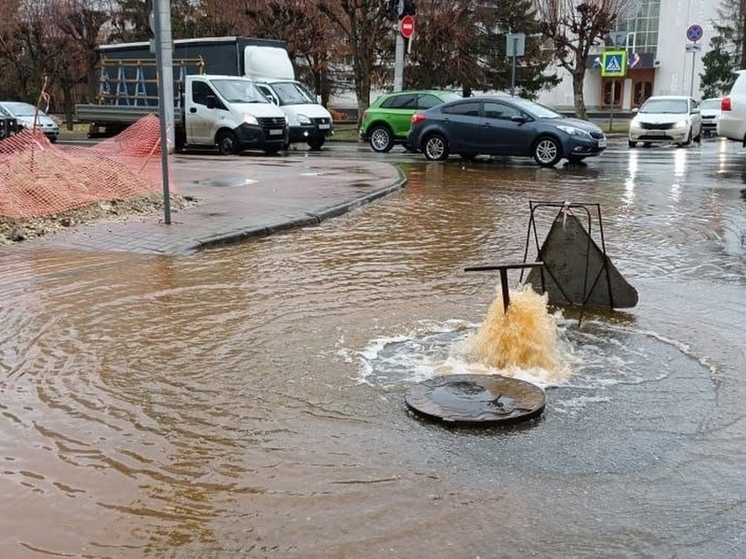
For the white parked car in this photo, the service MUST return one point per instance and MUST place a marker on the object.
(666, 118)
(24, 113)
(709, 109)
(732, 121)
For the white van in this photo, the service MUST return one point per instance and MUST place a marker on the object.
(25, 113)
(270, 67)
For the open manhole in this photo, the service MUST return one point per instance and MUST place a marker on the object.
(476, 399)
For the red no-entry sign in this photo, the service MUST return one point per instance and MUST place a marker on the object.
(406, 26)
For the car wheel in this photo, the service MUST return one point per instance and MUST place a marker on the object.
(227, 142)
(632, 144)
(179, 140)
(435, 148)
(688, 140)
(316, 144)
(381, 139)
(547, 151)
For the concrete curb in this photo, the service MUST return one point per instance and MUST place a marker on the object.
(310, 219)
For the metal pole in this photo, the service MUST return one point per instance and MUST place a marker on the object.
(399, 54)
(159, 8)
(515, 55)
(694, 56)
(399, 63)
(611, 110)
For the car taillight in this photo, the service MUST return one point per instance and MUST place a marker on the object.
(725, 104)
(417, 117)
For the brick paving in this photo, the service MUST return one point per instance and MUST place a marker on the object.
(240, 197)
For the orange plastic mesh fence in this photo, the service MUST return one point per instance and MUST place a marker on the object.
(38, 178)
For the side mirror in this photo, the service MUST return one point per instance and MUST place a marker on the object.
(635, 109)
(272, 99)
(211, 102)
(518, 118)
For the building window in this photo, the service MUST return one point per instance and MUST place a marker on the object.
(641, 90)
(643, 27)
(612, 89)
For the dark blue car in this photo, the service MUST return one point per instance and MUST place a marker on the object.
(501, 125)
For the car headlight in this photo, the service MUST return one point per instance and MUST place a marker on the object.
(681, 123)
(303, 119)
(634, 124)
(572, 131)
(250, 119)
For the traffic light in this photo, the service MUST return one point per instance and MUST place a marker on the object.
(397, 9)
(409, 8)
(391, 9)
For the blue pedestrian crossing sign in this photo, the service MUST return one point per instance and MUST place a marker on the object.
(614, 64)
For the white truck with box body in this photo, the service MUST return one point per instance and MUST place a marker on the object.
(269, 65)
(128, 80)
(222, 110)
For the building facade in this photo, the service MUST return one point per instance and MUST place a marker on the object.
(661, 59)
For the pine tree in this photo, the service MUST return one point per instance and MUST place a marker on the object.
(719, 65)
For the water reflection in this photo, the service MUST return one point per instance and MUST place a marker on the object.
(247, 400)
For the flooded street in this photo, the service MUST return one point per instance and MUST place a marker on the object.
(248, 401)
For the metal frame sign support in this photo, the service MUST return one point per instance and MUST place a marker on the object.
(515, 47)
(613, 65)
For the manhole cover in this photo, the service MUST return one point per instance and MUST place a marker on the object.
(227, 182)
(476, 399)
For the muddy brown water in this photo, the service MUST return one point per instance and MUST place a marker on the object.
(248, 401)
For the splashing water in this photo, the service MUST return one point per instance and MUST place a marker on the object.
(522, 338)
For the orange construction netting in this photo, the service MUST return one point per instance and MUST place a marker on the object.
(38, 178)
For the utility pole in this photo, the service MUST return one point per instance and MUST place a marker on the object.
(399, 52)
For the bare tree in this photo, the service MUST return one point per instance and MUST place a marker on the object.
(575, 28)
(311, 37)
(364, 25)
(80, 23)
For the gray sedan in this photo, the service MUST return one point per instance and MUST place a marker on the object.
(500, 125)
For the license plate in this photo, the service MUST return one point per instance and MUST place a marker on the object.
(324, 126)
(276, 132)
(602, 143)
(655, 133)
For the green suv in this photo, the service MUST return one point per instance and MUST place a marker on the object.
(386, 122)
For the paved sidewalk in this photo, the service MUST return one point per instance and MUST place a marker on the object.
(240, 197)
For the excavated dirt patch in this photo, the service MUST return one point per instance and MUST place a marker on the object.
(19, 230)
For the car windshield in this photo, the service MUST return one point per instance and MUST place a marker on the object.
(535, 109)
(673, 106)
(238, 91)
(21, 109)
(710, 104)
(448, 96)
(292, 93)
